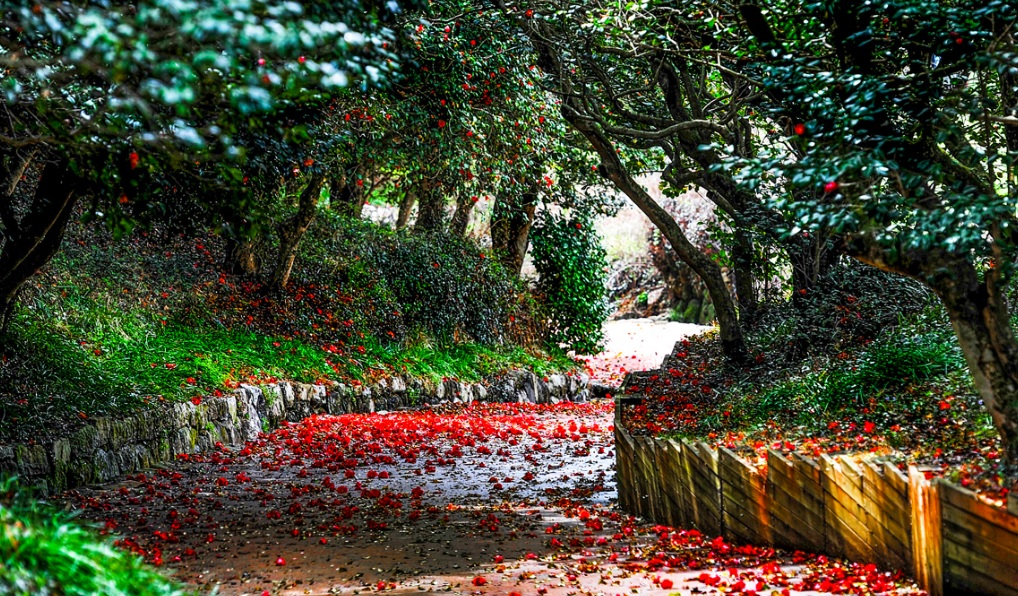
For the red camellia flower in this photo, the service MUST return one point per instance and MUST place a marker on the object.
(667, 584)
(196, 400)
(479, 581)
(441, 123)
(280, 562)
(800, 129)
(133, 158)
(831, 186)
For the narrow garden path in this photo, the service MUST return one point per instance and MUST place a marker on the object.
(486, 499)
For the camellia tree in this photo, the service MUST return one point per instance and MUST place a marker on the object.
(468, 118)
(904, 131)
(109, 101)
(635, 83)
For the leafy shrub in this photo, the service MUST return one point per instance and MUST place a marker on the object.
(444, 287)
(571, 265)
(44, 551)
(895, 360)
(855, 303)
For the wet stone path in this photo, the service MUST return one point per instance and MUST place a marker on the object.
(482, 499)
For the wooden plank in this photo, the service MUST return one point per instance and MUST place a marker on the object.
(927, 543)
(737, 506)
(673, 494)
(705, 489)
(640, 505)
(744, 494)
(885, 506)
(667, 476)
(813, 496)
(969, 501)
(845, 514)
(963, 568)
(796, 503)
(706, 486)
(648, 476)
(845, 531)
(740, 527)
(623, 468)
(808, 469)
(964, 581)
(895, 477)
(796, 511)
(881, 484)
(844, 474)
(779, 464)
(683, 484)
(962, 527)
(835, 493)
(789, 530)
(691, 492)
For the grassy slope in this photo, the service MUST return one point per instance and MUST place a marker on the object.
(109, 327)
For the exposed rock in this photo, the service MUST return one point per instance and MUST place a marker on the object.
(656, 299)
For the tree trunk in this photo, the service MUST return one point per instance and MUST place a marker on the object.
(431, 211)
(345, 197)
(406, 205)
(812, 257)
(745, 284)
(32, 241)
(241, 257)
(732, 341)
(979, 315)
(461, 217)
(510, 230)
(293, 229)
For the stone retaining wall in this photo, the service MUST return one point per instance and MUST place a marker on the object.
(107, 448)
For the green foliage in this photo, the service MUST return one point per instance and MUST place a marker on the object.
(481, 123)
(854, 303)
(895, 152)
(444, 287)
(106, 332)
(185, 91)
(44, 551)
(876, 378)
(572, 268)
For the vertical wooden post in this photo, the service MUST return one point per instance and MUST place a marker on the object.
(927, 542)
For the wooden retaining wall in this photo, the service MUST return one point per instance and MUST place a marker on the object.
(946, 537)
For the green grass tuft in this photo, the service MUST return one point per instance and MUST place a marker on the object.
(45, 551)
